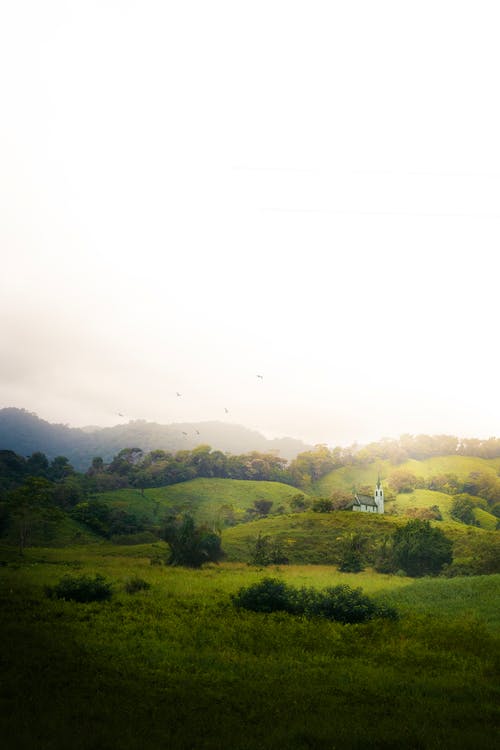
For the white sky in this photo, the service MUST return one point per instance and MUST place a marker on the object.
(194, 193)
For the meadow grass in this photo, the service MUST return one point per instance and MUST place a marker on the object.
(176, 666)
(485, 520)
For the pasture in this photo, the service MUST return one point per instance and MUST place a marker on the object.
(177, 666)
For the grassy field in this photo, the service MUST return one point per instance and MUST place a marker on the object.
(178, 667)
(206, 499)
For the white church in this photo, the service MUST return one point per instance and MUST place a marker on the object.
(367, 503)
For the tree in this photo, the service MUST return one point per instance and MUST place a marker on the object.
(352, 550)
(266, 551)
(37, 465)
(322, 505)
(402, 480)
(60, 468)
(262, 507)
(191, 545)
(29, 503)
(462, 509)
(419, 549)
(298, 503)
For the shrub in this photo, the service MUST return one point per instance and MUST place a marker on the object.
(266, 551)
(135, 584)
(462, 509)
(352, 559)
(347, 605)
(191, 545)
(269, 595)
(419, 549)
(81, 589)
(322, 505)
(340, 603)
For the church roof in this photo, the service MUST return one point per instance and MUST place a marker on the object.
(364, 500)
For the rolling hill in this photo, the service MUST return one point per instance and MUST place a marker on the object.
(348, 477)
(208, 500)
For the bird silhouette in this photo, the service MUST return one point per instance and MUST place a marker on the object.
(226, 410)
(178, 394)
(261, 377)
(120, 414)
(184, 433)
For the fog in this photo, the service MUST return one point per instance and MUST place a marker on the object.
(194, 194)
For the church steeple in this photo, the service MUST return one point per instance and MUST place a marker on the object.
(379, 496)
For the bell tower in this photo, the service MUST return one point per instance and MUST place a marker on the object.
(379, 496)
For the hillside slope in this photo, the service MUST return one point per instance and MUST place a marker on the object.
(208, 500)
(349, 477)
(316, 538)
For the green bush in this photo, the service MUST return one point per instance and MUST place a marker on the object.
(419, 549)
(191, 545)
(462, 509)
(81, 589)
(266, 551)
(269, 595)
(340, 603)
(135, 584)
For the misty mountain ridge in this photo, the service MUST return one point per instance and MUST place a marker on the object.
(24, 432)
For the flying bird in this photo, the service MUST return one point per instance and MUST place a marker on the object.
(178, 394)
(261, 377)
(184, 433)
(120, 414)
(226, 410)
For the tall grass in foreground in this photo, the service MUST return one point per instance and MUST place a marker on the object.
(177, 666)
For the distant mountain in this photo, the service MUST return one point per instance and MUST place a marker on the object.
(25, 433)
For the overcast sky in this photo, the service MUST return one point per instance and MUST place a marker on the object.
(196, 193)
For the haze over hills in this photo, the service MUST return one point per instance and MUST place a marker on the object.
(25, 433)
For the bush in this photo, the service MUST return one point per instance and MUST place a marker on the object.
(81, 589)
(462, 509)
(135, 584)
(266, 551)
(322, 505)
(340, 603)
(191, 545)
(352, 558)
(419, 549)
(269, 595)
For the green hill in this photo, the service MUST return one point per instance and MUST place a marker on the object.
(422, 499)
(208, 500)
(348, 477)
(316, 538)
(64, 533)
(306, 538)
